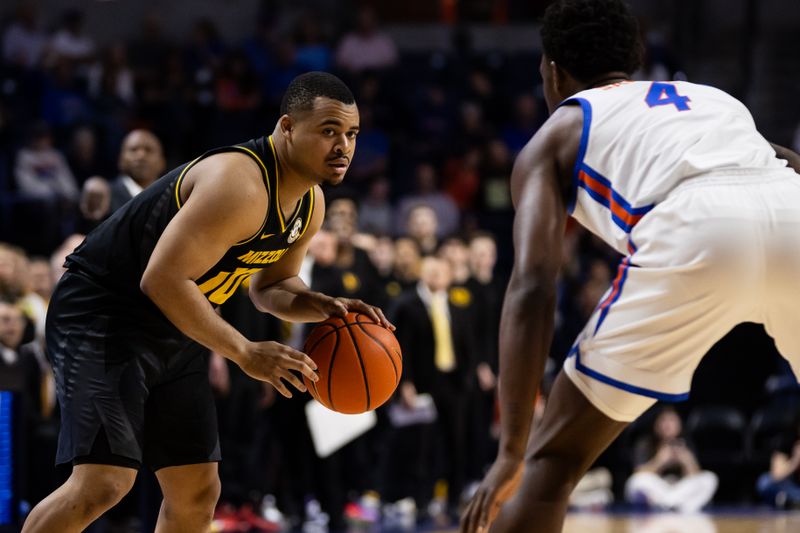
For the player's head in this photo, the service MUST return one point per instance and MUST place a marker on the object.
(141, 157)
(585, 42)
(319, 123)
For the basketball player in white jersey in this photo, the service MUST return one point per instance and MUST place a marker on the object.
(674, 176)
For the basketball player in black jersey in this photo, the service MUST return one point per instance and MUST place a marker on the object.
(128, 322)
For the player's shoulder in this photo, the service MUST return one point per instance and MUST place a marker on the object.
(232, 174)
(562, 129)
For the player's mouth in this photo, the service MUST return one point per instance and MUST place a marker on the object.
(339, 165)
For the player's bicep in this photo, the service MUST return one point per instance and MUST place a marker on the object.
(540, 215)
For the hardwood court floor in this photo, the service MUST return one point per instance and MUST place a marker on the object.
(766, 522)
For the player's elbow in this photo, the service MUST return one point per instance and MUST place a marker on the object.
(151, 284)
(537, 284)
(259, 298)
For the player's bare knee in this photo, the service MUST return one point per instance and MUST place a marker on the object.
(100, 490)
(198, 498)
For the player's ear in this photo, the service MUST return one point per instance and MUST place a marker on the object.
(286, 125)
(557, 75)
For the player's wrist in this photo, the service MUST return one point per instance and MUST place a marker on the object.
(238, 350)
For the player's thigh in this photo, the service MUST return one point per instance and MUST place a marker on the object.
(648, 335)
(101, 382)
(181, 420)
(782, 298)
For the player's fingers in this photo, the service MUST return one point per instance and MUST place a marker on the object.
(471, 522)
(483, 512)
(280, 387)
(338, 307)
(384, 320)
(301, 357)
(296, 382)
(303, 366)
(362, 307)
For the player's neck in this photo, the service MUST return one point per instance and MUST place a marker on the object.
(292, 184)
(607, 78)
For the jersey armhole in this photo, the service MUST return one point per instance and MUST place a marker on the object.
(311, 205)
(264, 177)
(587, 124)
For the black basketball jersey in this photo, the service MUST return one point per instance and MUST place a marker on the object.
(116, 253)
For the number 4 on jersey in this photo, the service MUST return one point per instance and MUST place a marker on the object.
(666, 94)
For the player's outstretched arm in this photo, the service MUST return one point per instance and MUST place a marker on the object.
(526, 325)
(792, 157)
(226, 204)
(279, 291)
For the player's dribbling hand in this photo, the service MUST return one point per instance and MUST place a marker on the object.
(341, 306)
(272, 362)
(498, 486)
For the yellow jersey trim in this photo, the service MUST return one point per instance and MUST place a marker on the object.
(265, 177)
(180, 180)
(310, 212)
(277, 181)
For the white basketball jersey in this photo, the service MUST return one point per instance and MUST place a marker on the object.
(641, 139)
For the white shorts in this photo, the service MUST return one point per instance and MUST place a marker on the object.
(720, 250)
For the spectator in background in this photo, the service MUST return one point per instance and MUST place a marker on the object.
(375, 214)
(358, 275)
(454, 250)
(111, 77)
(141, 162)
(496, 178)
(148, 50)
(11, 285)
(382, 256)
(462, 178)
(40, 276)
(428, 193)
(422, 226)
(472, 130)
(70, 42)
(83, 156)
(366, 47)
(313, 53)
(64, 103)
(42, 174)
(237, 84)
(12, 330)
(781, 485)
(436, 334)
(407, 260)
(373, 149)
(23, 42)
(667, 475)
(525, 121)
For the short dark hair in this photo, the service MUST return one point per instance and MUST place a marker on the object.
(305, 88)
(590, 37)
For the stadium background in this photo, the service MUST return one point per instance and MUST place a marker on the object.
(442, 118)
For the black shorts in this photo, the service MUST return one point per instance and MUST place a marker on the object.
(132, 389)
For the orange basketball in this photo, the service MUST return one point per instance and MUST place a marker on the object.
(358, 361)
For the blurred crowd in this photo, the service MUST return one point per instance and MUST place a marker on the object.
(421, 227)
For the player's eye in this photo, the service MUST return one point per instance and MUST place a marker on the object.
(352, 134)
(328, 131)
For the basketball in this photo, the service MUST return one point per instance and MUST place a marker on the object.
(358, 361)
